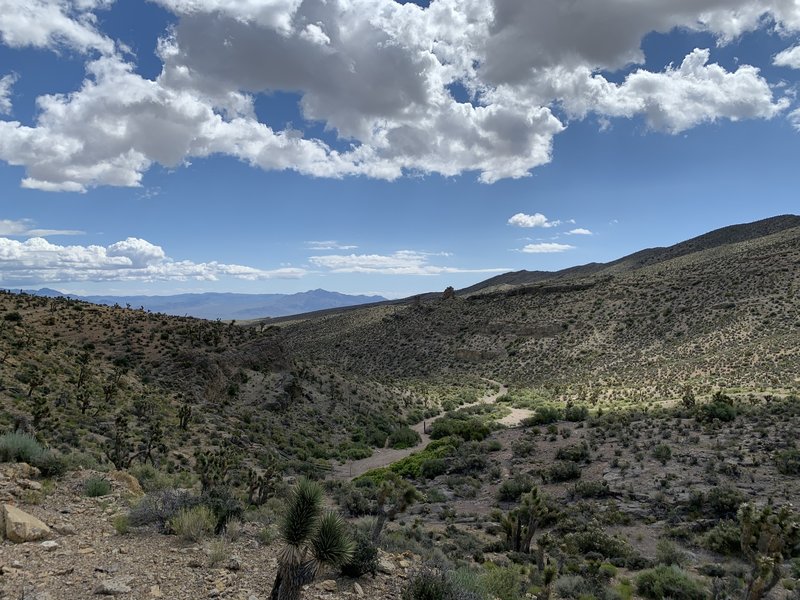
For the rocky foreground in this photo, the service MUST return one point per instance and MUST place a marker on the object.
(60, 545)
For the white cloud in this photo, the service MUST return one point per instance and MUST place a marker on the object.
(546, 248)
(51, 24)
(579, 231)
(36, 260)
(376, 73)
(794, 118)
(788, 58)
(6, 83)
(534, 220)
(402, 262)
(25, 227)
(328, 245)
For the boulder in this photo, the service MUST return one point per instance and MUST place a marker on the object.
(20, 527)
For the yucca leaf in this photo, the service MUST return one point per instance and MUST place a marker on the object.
(302, 514)
(331, 544)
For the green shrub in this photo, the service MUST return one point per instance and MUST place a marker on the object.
(365, 556)
(575, 413)
(96, 487)
(575, 453)
(788, 461)
(662, 453)
(19, 447)
(504, 583)
(590, 489)
(122, 524)
(667, 553)
(468, 429)
(724, 538)
(404, 437)
(669, 582)
(716, 410)
(544, 415)
(431, 583)
(512, 489)
(433, 467)
(193, 524)
(562, 470)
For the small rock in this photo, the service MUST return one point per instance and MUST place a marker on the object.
(49, 545)
(22, 527)
(128, 481)
(113, 587)
(233, 564)
(386, 566)
(357, 589)
(329, 585)
(155, 592)
(27, 484)
(194, 563)
(404, 564)
(65, 529)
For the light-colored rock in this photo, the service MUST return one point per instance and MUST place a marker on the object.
(113, 587)
(329, 585)
(49, 545)
(358, 589)
(386, 566)
(404, 564)
(65, 529)
(155, 592)
(21, 527)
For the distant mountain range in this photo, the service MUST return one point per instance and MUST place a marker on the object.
(227, 306)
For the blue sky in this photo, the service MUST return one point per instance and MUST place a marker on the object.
(224, 158)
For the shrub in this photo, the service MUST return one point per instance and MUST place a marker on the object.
(575, 453)
(433, 467)
(788, 461)
(723, 502)
(96, 487)
(723, 538)
(669, 582)
(544, 415)
(19, 447)
(404, 437)
(721, 410)
(122, 524)
(512, 489)
(662, 453)
(590, 489)
(365, 556)
(575, 413)
(668, 553)
(465, 428)
(562, 470)
(193, 524)
(431, 583)
(224, 505)
(158, 508)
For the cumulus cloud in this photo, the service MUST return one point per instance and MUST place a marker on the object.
(534, 220)
(579, 231)
(25, 227)
(52, 23)
(328, 245)
(788, 58)
(378, 75)
(36, 260)
(402, 262)
(546, 248)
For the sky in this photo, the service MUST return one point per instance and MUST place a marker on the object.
(372, 146)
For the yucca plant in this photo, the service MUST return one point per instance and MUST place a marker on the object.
(312, 538)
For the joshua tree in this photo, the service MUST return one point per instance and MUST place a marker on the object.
(395, 495)
(768, 537)
(521, 523)
(312, 538)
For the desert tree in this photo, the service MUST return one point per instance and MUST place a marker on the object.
(312, 538)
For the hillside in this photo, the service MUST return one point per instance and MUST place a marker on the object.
(721, 310)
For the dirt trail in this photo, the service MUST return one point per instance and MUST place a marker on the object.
(386, 456)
